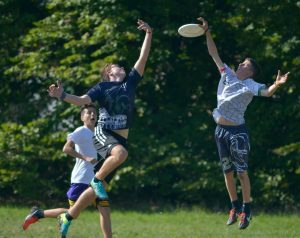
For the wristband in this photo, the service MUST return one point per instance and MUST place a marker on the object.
(62, 96)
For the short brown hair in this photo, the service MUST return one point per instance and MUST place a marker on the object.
(105, 72)
(255, 67)
(86, 107)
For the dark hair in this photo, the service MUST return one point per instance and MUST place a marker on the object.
(86, 107)
(255, 67)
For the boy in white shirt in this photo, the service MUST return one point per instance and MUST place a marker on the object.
(79, 145)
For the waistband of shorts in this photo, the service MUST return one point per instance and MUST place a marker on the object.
(117, 136)
(237, 127)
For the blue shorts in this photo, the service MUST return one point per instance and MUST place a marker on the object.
(76, 189)
(233, 147)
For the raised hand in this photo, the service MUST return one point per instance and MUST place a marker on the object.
(281, 79)
(144, 26)
(56, 90)
(203, 24)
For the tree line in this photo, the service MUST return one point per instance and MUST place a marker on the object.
(172, 153)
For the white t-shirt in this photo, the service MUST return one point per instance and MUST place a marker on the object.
(83, 172)
(234, 95)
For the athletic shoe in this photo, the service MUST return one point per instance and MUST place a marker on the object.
(31, 217)
(245, 220)
(99, 189)
(63, 224)
(233, 215)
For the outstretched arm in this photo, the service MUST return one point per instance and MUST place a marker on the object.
(141, 62)
(57, 91)
(280, 80)
(211, 46)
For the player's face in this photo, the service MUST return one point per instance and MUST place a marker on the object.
(89, 117)
(117, 73)
(244, 70)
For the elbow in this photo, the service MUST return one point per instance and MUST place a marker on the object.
(65, 149)
(269, 94)
(212, 53)
(142, 60)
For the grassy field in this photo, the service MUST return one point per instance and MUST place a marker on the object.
(194, 223)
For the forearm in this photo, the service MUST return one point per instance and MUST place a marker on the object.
(146, 47)
(212, 50)
(76, 100)
(141, 62)
(211, 46)
(73, 153)
(271, 90)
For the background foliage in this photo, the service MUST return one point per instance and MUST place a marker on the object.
(172, 156)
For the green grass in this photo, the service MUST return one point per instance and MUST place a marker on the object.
(194, 223)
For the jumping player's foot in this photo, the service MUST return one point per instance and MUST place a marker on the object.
(31, 218)
(99, 189)
(245, 220)
(233, 215)
(63, 224)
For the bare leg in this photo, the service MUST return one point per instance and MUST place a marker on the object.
(230, 185)
(85, 199)
(53, 213)
(117, 156)
(105, 222)
(246, 187)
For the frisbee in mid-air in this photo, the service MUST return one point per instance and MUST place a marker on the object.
(190, 30)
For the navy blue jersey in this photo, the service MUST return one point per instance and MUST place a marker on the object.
(116, 101)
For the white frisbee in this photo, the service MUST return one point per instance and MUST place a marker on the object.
(190, 30)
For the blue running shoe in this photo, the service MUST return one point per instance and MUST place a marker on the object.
(63, 224)
(99, 189)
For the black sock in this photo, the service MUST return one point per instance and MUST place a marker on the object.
(69, 217)
(40, 214)
(97, 180)
(236, 205)
(246, 208)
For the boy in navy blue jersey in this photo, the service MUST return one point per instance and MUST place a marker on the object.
(235, 92)
(115, 96)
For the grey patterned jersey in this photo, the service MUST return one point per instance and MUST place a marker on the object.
(234, 95)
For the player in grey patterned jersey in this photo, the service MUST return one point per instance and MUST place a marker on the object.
(235, 92)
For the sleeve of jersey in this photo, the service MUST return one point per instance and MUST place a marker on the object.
(134, 77)
(76, 136)
(95, 92)
(256, 88)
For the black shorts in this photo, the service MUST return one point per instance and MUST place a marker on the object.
(104, 141)
(233, 147)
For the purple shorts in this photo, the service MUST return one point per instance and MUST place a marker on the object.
(75, 190)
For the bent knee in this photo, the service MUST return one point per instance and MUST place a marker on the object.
(120, 152)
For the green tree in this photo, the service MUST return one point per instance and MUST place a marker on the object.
(172, 153)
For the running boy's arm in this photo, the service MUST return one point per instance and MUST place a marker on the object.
(69, 150)
(280, 80)
(58, 92)
(211, 46)
(141, 62)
